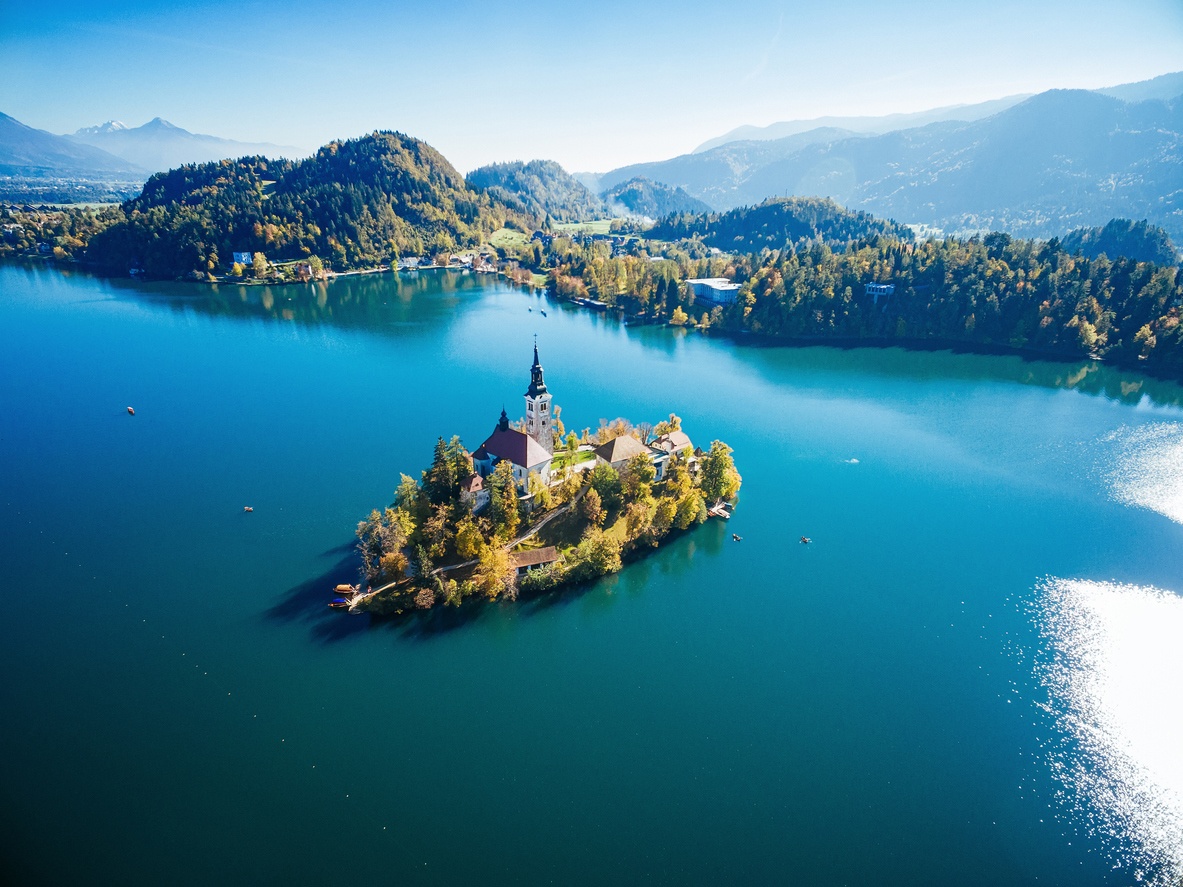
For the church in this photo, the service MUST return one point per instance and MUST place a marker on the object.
(529, 451)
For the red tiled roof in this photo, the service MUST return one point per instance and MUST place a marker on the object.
(516, 446)
(472, 483)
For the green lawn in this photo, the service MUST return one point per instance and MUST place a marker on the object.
(599, 226)
(563, 459)
(507, 238)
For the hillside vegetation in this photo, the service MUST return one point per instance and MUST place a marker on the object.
(777, 223)
(642, 197)
(538, 188)
(1140, 241)
(354, 204)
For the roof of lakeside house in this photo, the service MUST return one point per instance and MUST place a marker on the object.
(673, 442)
(534, 558)
(516, 446)
(621, 449)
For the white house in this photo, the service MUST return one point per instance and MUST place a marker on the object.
(243, 258)
(715, 290)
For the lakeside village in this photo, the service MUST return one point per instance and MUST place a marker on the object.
(535, 508)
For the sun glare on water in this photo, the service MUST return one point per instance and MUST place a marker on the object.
(1112, 667)
(1147, 471)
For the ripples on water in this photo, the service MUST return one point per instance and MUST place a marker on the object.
(1112, 666)
(1148, 468)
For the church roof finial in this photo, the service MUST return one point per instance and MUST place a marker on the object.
(536, 349)
(503, 424)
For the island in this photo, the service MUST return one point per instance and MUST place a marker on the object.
(534, 508)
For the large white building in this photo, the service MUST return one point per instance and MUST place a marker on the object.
(715, 290)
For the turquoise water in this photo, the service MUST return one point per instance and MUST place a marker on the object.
(181, 707)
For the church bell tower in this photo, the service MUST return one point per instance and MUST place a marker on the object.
(539, 415)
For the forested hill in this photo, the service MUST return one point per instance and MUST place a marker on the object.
(1139, 241)
(539, 188)
(777, 223)
(354, 204)
(643, 197)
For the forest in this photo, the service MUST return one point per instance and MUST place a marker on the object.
(539, 188)
(355, 204)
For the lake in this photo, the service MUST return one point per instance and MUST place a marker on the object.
(969, 677)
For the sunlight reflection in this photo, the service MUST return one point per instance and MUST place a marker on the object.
(1112, 668)
(1148, 471)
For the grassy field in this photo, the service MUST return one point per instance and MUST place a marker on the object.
(600, 226)
(507, 238)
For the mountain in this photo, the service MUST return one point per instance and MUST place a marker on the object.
(777, 223)
(353, 204)
(159, 145)
(866, 125)
(712, 176)
(641, 197)
(34, 153)
(1165, 86)
(1121, 237)
(538, 188)
(1056, 161)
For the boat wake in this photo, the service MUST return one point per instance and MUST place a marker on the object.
(1112, 665)
(1147, 470)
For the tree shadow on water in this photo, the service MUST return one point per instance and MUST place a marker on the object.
(307, 602)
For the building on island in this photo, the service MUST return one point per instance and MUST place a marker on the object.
(539, 415)
(525, 561)
(529, 451)
(473, 492)
(714, 290)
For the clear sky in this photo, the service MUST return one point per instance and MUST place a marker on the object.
(592, 85)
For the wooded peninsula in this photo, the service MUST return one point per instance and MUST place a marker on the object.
(803, 269)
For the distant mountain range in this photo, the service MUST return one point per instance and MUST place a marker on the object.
(861, 125)
(159, 145)
(1042, 167)
(103, 163)
(35, 153)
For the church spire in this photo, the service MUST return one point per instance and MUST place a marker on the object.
(537, 385)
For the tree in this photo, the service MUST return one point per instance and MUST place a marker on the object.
(539, 491)
(636, 478)
(605, 480)
(597, 554)
(469, 541)
(259, 266)
(503, 500)
(691, 510)
(494, 574)
(679, 317)
(237, 270)
(591, 508)
(719, 479)
(440, 482)
(638, 518)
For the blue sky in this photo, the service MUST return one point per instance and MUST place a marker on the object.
(593, 86)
